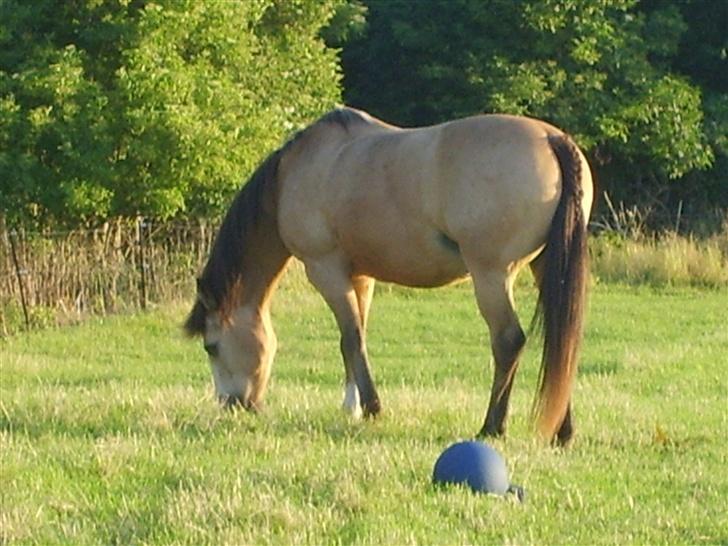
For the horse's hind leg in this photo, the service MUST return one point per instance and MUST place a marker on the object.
(493, 291)
(349, 300)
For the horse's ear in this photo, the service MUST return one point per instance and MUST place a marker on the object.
(195, 323)
(205, 303)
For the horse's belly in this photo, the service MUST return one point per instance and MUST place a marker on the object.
(426, 259)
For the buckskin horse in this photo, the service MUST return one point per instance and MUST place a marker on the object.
(358, 200)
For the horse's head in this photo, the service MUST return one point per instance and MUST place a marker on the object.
(240, 346)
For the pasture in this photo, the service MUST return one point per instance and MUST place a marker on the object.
(109, 433)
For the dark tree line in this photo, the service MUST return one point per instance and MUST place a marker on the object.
(642, 85)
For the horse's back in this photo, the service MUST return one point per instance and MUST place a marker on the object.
(406, 205)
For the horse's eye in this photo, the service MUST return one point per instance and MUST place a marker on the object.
(211, 349)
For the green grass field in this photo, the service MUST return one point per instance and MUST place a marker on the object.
(109, 433)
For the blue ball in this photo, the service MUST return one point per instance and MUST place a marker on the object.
(474, 464)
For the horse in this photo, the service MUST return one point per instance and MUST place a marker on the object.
(358, 200)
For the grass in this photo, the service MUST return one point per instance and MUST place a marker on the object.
(667, 260)
(109, 433)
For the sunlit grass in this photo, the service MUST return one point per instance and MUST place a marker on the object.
(668, 259)
(109, 432)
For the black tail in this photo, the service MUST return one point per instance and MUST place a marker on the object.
(562, 298)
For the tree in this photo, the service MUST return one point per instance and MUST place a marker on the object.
(157, 108)
(603, 70)
(702, 56)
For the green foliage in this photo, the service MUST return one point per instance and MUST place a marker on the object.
(349, 22)
(610, 72)
(123, 108)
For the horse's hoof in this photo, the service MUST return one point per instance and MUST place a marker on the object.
(372, 408)
(351, 404)
(352, 413)
(563, 440)
(491, 432)
(564, 435)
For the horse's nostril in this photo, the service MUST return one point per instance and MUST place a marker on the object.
(211, 349)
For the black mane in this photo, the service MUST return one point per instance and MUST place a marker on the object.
(254, 206)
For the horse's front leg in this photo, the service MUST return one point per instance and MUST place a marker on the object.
(349, 300)
(364, 289)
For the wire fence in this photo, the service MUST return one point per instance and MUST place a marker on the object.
(60, 277)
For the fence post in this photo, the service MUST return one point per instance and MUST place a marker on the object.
(142, 263)
(19, 275)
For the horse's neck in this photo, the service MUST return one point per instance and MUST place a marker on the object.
(266, 263)
(260, 267)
